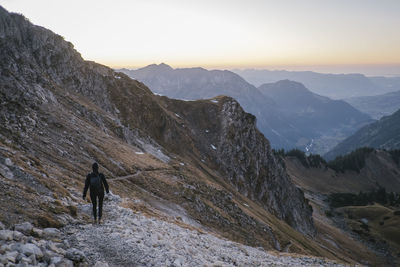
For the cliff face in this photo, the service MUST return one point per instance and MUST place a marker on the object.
(247, 159)
(65, 112)
(226, 137)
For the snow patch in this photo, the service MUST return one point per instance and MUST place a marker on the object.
(275, 132)
(214, 101)
(139, 153)
(213, 147)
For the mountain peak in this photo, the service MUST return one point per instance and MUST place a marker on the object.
(164, 66)
(284, 87)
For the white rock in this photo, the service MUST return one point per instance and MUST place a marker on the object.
(49, 233)
(8, 162)
(101, 264)
(12, 256)
(65, 263)
(25, 261)
(6, 235)
(75, 255)
(18, 236)
(33, 259)
(55, 260)
(3, 260)
(31, 249)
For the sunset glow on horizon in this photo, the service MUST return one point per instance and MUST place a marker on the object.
(225, 34)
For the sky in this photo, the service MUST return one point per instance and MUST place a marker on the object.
(323, 35)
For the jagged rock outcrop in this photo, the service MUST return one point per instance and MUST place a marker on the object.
(227, 137)
(51, 96)
(246, 157)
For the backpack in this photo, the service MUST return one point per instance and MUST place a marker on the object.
(95, 183)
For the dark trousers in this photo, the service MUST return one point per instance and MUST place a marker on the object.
(93, 198)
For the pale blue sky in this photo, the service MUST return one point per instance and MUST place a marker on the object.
(225, 33)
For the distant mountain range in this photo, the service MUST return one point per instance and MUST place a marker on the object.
(319, 117)
(384, 133)
(288, 114)
(336, 86)
(377, 106)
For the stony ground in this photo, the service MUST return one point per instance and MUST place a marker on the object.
(126, 238)
(130, 239)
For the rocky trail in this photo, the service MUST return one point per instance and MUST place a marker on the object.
(128, 238)
(119, 178)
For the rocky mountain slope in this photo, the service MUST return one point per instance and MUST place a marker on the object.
(377, 106)
(320, 118)
(384, 133)
(201, 165)
(335, 86)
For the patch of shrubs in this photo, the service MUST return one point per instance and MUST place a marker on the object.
(354, 161)
(364, 198)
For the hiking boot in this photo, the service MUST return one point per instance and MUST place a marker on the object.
(94, 221)
(99, 221)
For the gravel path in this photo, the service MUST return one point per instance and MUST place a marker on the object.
(129, 239)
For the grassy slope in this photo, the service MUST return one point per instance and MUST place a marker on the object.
(379, 167)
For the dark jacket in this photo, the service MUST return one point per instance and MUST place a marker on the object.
(103, 184)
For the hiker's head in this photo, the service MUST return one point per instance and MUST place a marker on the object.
(95, 167)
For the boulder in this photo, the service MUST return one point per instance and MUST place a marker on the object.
(25, 228)
(51, 246)
(31, 249)
(25, 261)
(12, 256)
(56, 259)
(64, 263)
(3, 260)
(75, 255)
(101, 264)
(37, 232)
(33, 259)
(6, 235)
(8, 162)
(49, 233)
(18, 236)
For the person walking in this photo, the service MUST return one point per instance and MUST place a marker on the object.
(96, 182)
